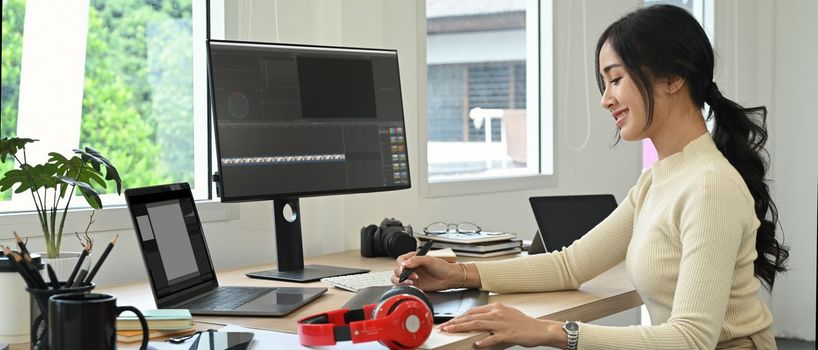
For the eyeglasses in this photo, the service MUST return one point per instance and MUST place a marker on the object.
(439, 228)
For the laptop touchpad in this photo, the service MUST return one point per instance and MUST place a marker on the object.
(276, 298)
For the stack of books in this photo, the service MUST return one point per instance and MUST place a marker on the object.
(481, 244)
(161, 323)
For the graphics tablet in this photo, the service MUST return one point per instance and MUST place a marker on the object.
(447, 304)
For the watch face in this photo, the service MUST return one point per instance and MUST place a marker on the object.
(572, 326)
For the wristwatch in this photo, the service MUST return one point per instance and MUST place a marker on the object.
(572, 329)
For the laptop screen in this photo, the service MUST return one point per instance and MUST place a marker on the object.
(564, 219)
(170, 234)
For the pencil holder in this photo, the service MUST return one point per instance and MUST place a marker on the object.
(39, 311)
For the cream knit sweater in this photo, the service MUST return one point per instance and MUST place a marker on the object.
(687, 234)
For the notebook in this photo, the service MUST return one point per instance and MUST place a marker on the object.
(491, 253)
(484, 247)
(162, 319)
(179, 266)
(564, 219)
(467, 238)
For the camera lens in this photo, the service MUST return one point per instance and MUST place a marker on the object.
(398, 243)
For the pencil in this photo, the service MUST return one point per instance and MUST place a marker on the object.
(17, 260)
(100, 261)
(80, 277)
(85, 250)
(55, 282)
(22, 245)
(423, 250)
(25, 254)
(8, 253)
(27, 265)
(35, 273)
(27, 261)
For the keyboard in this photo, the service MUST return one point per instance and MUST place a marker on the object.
(355, 283)
(226, 298)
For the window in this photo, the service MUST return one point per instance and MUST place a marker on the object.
(12, 48)
(482, 89)
(124, 77)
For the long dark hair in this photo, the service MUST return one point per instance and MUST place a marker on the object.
(661, 41)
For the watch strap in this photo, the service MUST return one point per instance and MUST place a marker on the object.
(573, 334)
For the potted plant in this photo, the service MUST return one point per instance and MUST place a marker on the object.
(52, 184)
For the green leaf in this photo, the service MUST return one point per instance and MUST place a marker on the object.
(30, 177)
(90, 194)
(10, 145)
(73, 168)
(94, 157)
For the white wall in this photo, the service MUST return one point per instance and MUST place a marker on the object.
(794, 126)
(766, 58)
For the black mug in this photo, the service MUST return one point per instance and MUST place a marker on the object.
(87, 321)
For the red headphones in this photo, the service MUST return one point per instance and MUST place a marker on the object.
(403, 319)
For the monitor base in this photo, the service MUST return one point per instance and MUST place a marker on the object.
(309, 273)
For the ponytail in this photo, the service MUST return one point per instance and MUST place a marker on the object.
(740, 134)
(664, 41)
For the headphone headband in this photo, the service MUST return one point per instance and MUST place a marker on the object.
(330, 327)
(400, 321)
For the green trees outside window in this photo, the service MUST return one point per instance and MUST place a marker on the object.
(137, 105)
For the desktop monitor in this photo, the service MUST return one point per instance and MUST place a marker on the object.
(295, 121)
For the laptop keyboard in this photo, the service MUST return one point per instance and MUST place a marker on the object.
(226, 298)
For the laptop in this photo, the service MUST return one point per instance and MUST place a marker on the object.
(179, 265)
(447, 304)
(564, 219)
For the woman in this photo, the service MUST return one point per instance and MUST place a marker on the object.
(702, 216)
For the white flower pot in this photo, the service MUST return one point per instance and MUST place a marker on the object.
(62, 265)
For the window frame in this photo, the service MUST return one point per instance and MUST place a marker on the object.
(545, 129)
(116, 216)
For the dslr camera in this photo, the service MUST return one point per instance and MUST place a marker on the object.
(391, 238)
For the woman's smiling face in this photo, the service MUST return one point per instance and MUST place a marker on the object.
(621, 96)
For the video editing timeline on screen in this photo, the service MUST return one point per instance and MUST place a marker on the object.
(283, 116)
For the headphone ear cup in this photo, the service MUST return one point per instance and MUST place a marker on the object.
(406, 307)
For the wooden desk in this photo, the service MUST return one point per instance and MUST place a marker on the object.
(607, 294)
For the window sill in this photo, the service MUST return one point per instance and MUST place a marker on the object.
(479, 186)
(109, 219)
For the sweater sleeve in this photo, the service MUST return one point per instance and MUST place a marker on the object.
(600, 249)
(713, 219)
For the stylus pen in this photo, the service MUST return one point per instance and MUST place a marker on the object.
(423, 250)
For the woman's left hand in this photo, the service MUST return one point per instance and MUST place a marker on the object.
(507, 325)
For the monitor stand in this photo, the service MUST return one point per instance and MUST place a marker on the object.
(290, 250)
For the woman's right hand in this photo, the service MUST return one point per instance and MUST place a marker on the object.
(429, 273)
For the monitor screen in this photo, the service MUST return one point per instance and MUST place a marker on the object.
(296, 121)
